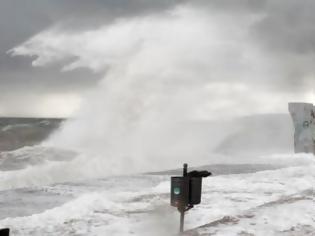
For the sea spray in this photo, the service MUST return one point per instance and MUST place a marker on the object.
(161, 73)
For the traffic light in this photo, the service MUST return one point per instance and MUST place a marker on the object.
(195, 184)
(4, 232)
(179, 191)
(186, 191)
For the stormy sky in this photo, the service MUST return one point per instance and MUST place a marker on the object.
(282, 29)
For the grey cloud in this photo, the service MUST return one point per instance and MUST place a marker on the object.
(20, 20)
(288, 26)
(285, 31)
(237, 6)
(24, 18)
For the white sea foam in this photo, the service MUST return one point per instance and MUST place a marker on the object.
(256, 203)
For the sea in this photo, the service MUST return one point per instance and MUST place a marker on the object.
(47, 190)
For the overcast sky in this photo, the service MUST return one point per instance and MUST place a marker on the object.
(284, 29)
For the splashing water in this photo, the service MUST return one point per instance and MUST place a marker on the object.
(161, 73)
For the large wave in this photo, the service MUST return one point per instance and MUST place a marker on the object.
(160, 72)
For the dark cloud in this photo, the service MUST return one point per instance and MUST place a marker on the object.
(237, 6)
(20, 20)
(288, 26)
(285, 30)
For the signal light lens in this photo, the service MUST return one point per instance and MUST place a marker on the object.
(176, 190)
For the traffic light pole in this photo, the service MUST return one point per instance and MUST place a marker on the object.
(182, 208)
(182, 216)
(185, 170)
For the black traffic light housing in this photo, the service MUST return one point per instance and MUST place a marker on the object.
(179, 191)
(195, 185)
(5, 232)
(186, 191)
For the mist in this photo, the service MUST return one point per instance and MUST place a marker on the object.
(162, 73)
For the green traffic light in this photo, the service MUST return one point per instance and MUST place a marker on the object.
(176, 190)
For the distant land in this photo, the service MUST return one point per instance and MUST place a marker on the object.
(16, 132)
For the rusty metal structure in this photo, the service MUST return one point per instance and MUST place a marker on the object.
(303, 116)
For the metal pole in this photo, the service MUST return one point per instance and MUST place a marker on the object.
(182, 215)
(185, 170)
(182, 207)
